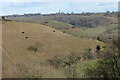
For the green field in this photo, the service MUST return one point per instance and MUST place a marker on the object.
(89, 32)
(82, 31)
(57, 24)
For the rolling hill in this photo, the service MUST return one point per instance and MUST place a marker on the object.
(27, 47)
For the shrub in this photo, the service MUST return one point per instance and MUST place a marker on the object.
(87, 54)
(106, 68)
(36, 47)
(64, 31)
(98, 38)
(98, 48)
(58, 61)
(33, 48)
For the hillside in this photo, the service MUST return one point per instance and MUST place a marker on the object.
(110, 30)
(28, 46)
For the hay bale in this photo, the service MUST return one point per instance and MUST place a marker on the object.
(53, 30)
(26, 37)
(23, 32)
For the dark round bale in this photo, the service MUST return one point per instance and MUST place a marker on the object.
(53, 30)
(26, 37)
(23, 32)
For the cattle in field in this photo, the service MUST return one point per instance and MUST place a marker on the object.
(53, 30)
(26, 37)
(22, 32)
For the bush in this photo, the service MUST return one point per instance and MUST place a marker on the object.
(106, 69)
(36, 47)
(59, 62)
(87, 54)
(98, 38)
(98, 48)
(64, 31)
(33, 48)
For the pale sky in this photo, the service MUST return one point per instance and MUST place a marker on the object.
(8, 7)
(59, 0)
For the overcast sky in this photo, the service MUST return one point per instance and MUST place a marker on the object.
(39, 6)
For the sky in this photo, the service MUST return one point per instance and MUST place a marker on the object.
(77, 6)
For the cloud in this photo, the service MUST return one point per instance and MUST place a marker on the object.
(53, 7)
(59, 0)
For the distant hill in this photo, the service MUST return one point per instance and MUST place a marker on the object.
(88, 20)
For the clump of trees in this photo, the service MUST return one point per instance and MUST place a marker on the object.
(89, 21)
(109, 65)
(108, 68)
(111, 14)
(92, 21)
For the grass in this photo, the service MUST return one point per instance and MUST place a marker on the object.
(80, 68)
(67, 28)
(57, 24)
(79, 32)
(94, 32)
(112, 26)
(89, 32)
(51, 23)
(15, 47)
(113, 30)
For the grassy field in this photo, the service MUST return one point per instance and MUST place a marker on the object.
(48, 41)
(89, 32)
(112, 30)
(78, 31)
(57, 24)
